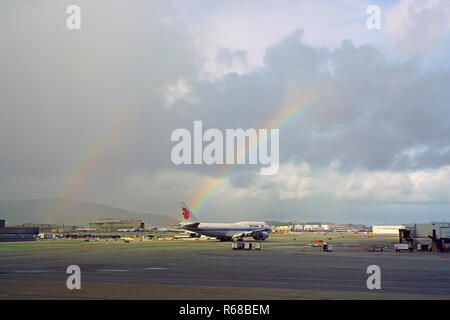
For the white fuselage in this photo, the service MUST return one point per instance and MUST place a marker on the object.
(227, 230)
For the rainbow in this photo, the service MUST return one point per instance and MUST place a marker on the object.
(288, 113)
(94, 154)
(97, 150)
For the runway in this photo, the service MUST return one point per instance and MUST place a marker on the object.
(283, 269)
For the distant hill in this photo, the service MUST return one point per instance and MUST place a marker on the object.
(65, 211)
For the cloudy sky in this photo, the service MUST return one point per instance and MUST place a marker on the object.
(88, 114)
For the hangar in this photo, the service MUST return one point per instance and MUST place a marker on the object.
(386, 229)
(17, 233)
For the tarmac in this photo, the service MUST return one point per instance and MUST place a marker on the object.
(207, 269)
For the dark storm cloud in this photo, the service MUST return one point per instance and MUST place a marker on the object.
(105, 89)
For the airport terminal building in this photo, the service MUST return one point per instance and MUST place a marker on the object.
(17, 233)
(112, 225)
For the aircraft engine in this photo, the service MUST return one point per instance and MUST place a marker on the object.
(194, 235)
(260, 235)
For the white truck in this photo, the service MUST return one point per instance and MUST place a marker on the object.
(399, 247)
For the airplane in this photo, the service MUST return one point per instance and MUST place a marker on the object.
(178, 230)
(223, 231)
(138, 229)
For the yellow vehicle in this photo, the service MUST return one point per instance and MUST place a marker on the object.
(317, 243)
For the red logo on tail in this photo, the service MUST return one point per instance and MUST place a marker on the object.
(185, 213)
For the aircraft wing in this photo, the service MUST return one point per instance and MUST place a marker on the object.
(190, 225)
(243, 234)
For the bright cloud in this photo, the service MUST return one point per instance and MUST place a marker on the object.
(419, 26)
(180, 90)
(249, 28)
(299, 181)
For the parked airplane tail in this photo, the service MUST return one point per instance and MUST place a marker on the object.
(188, 217)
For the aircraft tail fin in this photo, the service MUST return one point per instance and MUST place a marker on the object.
(188, 217)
